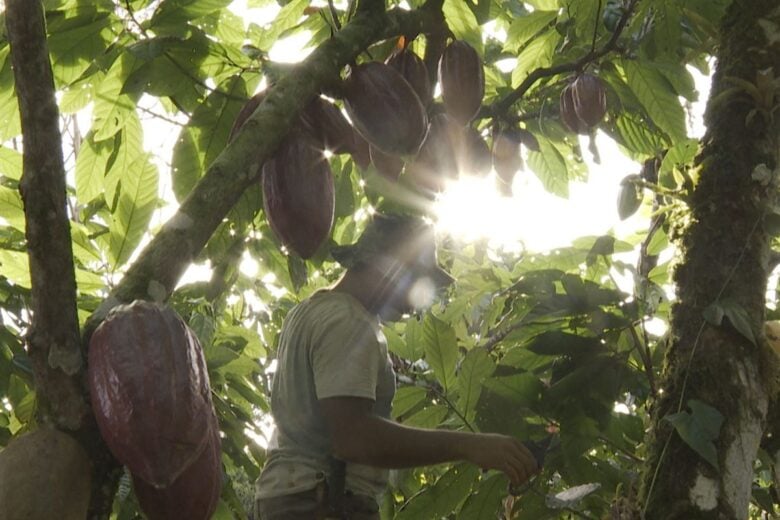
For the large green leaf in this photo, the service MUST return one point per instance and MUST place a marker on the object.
(523, 28)
(462, 22)
(445, 496)
(287, 18)
(129, 146)
(11, 208)
(441, 350)
(486, 501)
(74, 49)
(657, 97)
(112, 107)
(476, 367)
(10, 163)
(549, 165)
(699, 428)
(172, 12)
(137, 201)
(522, 389)
(91, 168)
(538, 53)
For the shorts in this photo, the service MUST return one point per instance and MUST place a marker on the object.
(312, 505)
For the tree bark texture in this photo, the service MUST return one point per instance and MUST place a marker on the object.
(725, 261)
(155, 274)
(53, 341)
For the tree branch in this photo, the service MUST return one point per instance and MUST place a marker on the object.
(53, 340)
(160, 265)
(502, 106)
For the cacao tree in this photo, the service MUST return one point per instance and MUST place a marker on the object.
(634, 421)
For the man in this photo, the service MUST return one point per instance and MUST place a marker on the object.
(333, 388)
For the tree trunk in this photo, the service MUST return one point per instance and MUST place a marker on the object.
(725, 262)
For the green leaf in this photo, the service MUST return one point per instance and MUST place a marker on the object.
(678, 156)
(429, 417)
(12, 208)
(657, 97)
(558, 343)
(408, 347)
(486, 501)
(74, 49)
(14, 266)
(538, 53)
(522, 389)
(543, 5)
(699, 428)
(137, 201)
(524, 28)
(441, 350)
(629, 197)
(550, 167)
(10, 122)
(406, 398)
(463, 24)
(10, 163)
(129, 146)
(633, 132)
(713, 314)
(444, 497)
(91, 168)
(287, 18)
(475, 368)
(112, 107)
(174, 12)
(739, 318)
(186, 165)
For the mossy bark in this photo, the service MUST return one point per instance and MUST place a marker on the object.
(725, 260)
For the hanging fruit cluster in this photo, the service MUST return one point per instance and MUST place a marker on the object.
(583, 103)
(152, 402)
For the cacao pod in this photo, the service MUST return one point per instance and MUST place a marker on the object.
(192, 496)
(568, 114)
(590, 99)
(462, 81)
(299, 195)
(150, 390)
(247, 110)
(506, 159)
(413, 69)
(437, 161)
(389, 166)
(44, 474)
(361, 152)
(325, 122)
(385, 109)
(630, 197)
(473, 154)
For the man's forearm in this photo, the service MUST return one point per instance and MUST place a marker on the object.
(383, 443)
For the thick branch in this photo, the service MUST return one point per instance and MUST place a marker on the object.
(54, 343)
(156, 272)
(502, 106)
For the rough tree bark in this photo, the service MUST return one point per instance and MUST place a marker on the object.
(726, 261)
(55, 348)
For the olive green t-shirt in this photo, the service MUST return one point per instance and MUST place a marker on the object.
(329, 346)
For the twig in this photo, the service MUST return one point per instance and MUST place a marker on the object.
(500, 107)
(334, 15)
(452, 407)
(596, 28)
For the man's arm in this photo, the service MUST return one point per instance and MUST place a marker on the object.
(357, 435)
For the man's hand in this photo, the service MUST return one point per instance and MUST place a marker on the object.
(503, 453)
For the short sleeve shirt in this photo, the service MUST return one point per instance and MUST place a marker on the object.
(329, 346)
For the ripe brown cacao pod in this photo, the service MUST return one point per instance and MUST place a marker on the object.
(590, 99)
(192, 496)
(325, 122)
(384, 108)
(413, 69)
(462, 81)
(361, 152)
(299, 195)
(506, 159)
(473, 154)
(389, 166)
(569, 116)
(44, 474)
(437, 162)
(150, 390)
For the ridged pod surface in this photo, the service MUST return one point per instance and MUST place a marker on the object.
(192, 496)
(437, 161)
(150, 390)
(385, 109)
(325, 122)
(462, 81)
(590, 99)
(389, 166)
(299, 195)
(569, 116)
(413, 69)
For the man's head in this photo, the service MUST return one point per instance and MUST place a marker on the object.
(398, 255)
